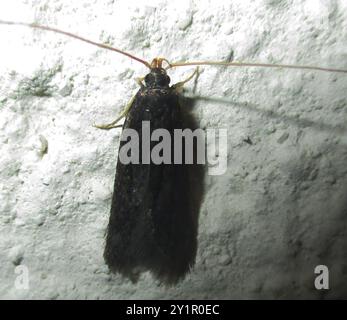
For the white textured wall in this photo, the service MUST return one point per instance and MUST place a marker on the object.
(281, 208)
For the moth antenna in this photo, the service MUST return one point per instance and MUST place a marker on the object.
(250, 64)
(101, 45)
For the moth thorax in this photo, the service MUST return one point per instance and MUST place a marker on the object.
(157, 78)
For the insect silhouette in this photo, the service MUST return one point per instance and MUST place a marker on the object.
(152, 226)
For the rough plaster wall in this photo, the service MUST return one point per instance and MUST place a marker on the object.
(278, 211)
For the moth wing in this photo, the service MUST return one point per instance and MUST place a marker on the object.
(150, 226)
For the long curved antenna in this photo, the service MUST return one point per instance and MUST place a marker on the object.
(175, 64)
(250, 64)
(101, 45)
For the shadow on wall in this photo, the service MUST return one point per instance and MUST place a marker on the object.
(301, 123)
(313, 221)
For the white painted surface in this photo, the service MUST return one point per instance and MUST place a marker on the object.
(278, 212)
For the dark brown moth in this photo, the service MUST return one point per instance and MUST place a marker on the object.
(151, 225)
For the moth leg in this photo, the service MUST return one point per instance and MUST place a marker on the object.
(123, 114)
(139, 81)
(179, 85)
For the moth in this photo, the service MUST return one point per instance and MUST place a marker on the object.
(153, 223)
